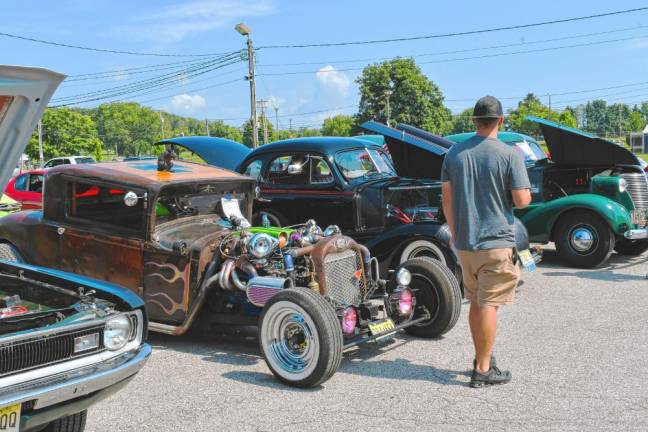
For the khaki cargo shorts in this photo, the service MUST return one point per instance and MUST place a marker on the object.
(489, 276)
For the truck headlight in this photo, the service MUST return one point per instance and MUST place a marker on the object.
(623, 185)
(403, 277)
(117, 332)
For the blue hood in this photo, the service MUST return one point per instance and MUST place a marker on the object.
(220, 152)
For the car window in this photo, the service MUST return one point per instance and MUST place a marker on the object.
(65, 161)
(21, 182)
(85, 160)
(104, 205)
(36, 183)
(253, 169)
(359, 163)
(51, 163)
(320, 171)
(299, 169)
(530, 150)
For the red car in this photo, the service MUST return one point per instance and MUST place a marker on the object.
(27, 189)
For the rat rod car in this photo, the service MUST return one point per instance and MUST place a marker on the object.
(176, 233)
(66, 341)
(590, 197)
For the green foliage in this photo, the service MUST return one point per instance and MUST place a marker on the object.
(636, 121)
(66, 132)
(339, 125)
(463, 122)
(567, 118)
(414, 98)
(130, 128)
(219, 129)
(530, 105)
(247, 131)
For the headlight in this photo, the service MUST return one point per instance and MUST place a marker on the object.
(403, 277)
(117, 332)
(623, 185)
(261, 245)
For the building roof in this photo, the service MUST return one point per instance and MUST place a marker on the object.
(145, 173)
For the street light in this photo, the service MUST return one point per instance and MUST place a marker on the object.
(244, 30)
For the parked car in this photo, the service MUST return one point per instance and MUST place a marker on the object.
(135, 158)
(365, 184)
(177, 235)
(27, 189)
(590, 198)
(8, 205)
(66, 341)
(69, 160)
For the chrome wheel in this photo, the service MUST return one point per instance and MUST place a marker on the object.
(290, 339)
(583, 239)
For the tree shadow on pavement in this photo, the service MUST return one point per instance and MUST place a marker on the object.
(608, 273)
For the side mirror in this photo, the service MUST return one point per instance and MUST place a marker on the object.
(295, 169)
(131, 198)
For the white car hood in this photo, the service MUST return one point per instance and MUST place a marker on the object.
(24, 94)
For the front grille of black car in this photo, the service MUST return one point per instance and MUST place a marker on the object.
(46, 350)
(342, 282)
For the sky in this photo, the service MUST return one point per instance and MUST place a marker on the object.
(307, 85)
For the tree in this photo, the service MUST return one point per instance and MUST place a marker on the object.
(413, 98)
(339, 125)
(247, 131)
(596, 117)
(130, 128)
(219, 129)
(617, 116)
(636, 121)
(567, 118)
(66, 133)
(463, 122)
(530, 105)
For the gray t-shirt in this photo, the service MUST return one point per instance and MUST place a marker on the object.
(482, 172)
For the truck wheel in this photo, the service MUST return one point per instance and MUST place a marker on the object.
(73, 423)
(276, 219)
(584, 240)
(300, 337)
(631, 247)
(10, 253)
(436, 288)
(422, 248)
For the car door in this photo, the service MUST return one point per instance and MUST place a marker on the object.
(301, 186)
(103, 238)
(33, 196)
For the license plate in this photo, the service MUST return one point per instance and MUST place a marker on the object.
(10, 418)
(382, 327)
(527, 260)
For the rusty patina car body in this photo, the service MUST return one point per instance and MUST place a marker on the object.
(127, 249)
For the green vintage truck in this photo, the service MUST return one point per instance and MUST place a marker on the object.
(590, 195)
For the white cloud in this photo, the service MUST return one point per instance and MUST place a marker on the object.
(332, 78)
(187, 103)
(176, 22)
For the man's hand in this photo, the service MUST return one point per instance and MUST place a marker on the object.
(521, 197)
(446, 201)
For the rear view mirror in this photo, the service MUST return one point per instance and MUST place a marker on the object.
(295, 169)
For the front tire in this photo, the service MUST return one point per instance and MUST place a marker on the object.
(73, 423)
(631, 247)
(436, 288)
(584, 240)
(300, 338)
(422, 248)
(276, 219)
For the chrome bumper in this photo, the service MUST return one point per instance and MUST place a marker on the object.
(76, 383)
(636, 234)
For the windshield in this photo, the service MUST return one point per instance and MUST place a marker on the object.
(531, 151)
(364, 163)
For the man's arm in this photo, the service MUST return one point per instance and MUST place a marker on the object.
(521, 197)
(446, 201)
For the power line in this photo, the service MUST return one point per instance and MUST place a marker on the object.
(463, 33)
(459, 51)
(103, 50)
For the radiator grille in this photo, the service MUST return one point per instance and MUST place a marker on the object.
(637, 188)
(44, 350)
(342, 282)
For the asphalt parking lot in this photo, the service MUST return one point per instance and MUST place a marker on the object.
(576, 342)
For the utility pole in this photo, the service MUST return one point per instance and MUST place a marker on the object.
(245, 31)
(263, 105)
(388, 93)
(207, 126)
(40, 143)
(290, 125)
(161, 123)
(549, 94)
(276, 108)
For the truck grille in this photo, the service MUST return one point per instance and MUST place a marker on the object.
(343, 282)
(43, 351)
(638, 190)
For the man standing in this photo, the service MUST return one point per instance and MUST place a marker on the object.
(483, 179)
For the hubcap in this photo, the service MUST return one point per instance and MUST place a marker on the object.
(582, 239)
(290, 340)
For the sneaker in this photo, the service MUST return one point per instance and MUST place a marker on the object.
(493, 362)
(492, 377)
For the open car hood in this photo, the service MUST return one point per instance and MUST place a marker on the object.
(416, 153)
(220, 152)
(573, 147)
(24, 94)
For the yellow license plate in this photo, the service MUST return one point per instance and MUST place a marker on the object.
(10, 418)
(382, 327)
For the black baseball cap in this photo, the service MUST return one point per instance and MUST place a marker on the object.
(488, 107)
